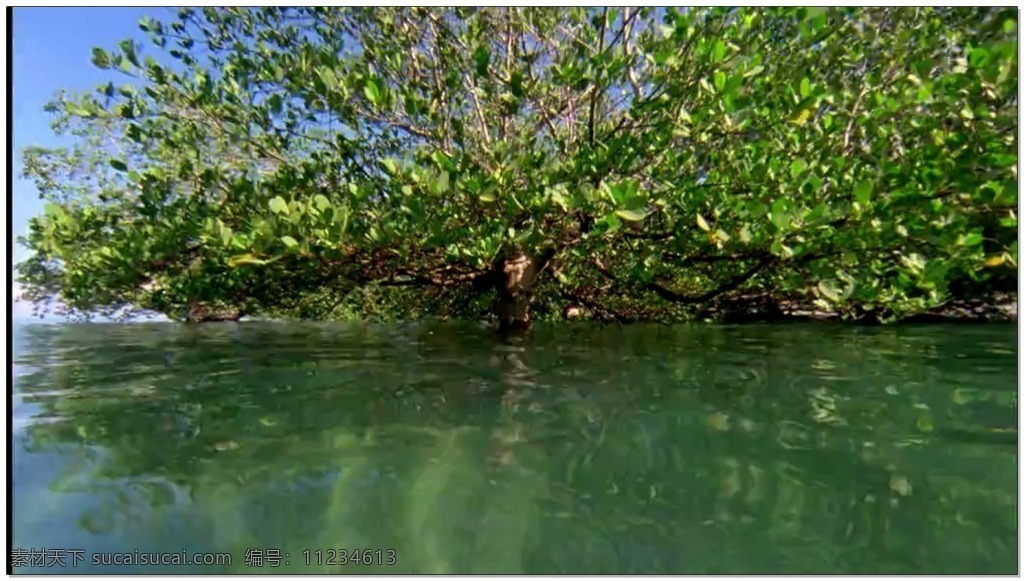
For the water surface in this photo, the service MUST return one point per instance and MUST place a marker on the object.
(579, 449)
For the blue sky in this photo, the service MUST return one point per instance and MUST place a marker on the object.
(52, 51)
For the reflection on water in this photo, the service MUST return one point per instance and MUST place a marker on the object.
(578, 449)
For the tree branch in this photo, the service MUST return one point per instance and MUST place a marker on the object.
(627, 32)
(597, 80)
(679, 298)
(734, 283)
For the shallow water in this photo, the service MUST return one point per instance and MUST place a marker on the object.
(578, 449)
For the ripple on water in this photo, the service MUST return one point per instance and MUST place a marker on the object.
(576, 449)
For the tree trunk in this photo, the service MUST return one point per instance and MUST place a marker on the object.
(518, 273)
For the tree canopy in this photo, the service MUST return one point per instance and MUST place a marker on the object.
(631, 164)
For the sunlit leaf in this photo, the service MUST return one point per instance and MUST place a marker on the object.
(245, 259)
(829, 290)
(631, 215)
(862, 192)
(801, 116)
(996, 260)
(797, 167)
(278, 205)
(373, 92)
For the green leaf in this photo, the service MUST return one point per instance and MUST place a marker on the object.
(79, 111)
(128, 48)
(631, 215)
(321, 201)
(979, 57)
(276, 103)
(278, 205)
(487, 198)
(558, 199)
(862, 192)
(443, 161)
(718, 51)
(118, 164)
(805, 88)
(702, 223)
(995, 260)
(100, 58)
(330, 80)
(372, 92)
(390, 166)
(634, 202)
(289, 241)
(616, 193)
(971, 239)
(797, 167)
(801, 116)
(612, 222)
(516, 84)
(779, 214)
(754, 71)
(719, 80)
(829, 290)
(482, 57)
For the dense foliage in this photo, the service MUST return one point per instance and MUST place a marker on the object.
(636, 164)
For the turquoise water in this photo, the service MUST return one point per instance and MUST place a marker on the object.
(577, 449)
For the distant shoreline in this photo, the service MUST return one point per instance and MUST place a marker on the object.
(1001, 313)
(1001, 310)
